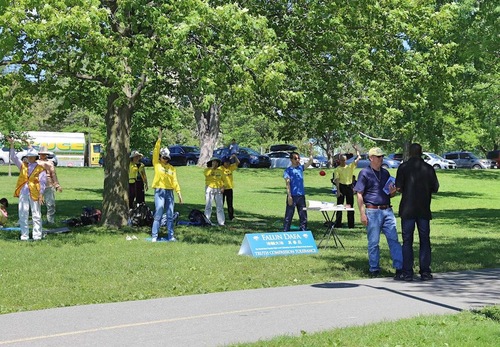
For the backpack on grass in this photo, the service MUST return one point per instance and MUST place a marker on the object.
(196, 217)
(141, 216)
(90, 215)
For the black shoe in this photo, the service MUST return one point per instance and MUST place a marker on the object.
(402, 276)
(408, 278)
(374, 274)
(399, 276)
(426, 276)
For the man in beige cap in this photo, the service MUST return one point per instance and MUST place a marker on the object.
(376, 213)
(52, 183)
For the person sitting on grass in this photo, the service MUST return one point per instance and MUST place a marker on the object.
(4, 203)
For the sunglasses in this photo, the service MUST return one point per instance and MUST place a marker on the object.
(164, 158)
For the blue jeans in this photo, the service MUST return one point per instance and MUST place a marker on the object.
(164, 200)
(424, 255)
(382, 221)
(299, 202)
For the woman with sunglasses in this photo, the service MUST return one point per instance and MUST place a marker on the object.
(164, 184)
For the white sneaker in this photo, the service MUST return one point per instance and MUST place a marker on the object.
(128, 238)
(153, 239)
(134, 237)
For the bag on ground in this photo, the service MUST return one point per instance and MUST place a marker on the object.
(196, 217)
(90, 215)
(141, 216)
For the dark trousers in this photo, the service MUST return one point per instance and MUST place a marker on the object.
(348, 196)
(135, 193)
(299, 202)
(424, 256)
(228, 195)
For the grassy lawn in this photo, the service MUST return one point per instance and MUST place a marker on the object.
(466, 329)
(96, 265)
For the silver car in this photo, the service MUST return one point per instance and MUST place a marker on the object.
(279, 159)
(438, 162)
(468, 160)
(365, 162)
(4, 155)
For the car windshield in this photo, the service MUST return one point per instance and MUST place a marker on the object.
(251, 151)
(191, 149)
(434, 156)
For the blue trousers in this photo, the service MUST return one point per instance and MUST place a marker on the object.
(424, 255)
(382, 222)
(164, 200)
(299, 202)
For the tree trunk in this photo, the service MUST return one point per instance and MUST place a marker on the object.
(208, 123)
(116, 161)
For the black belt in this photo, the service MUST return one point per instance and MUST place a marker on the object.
(378, 207)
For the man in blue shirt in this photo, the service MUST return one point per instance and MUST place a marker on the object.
(376, 213)
(295, 192)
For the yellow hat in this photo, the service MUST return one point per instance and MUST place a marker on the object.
(376, 151)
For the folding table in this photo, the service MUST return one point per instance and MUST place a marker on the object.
(329, 210)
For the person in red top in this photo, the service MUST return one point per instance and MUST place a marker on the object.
(29, 189)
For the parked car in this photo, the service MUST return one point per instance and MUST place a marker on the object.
(322, 160)
(279, 159)
(495, 156)
(438, 162)
(4, 155)
(247, 156)
(282, 148)
(147, 160)
(469, 160)
(336, 157)
(396, 156)
(305, 158)
(22, 154)
(365, 162)
(184, 155)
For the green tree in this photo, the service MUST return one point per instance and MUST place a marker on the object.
(134, 55)
(474, 116)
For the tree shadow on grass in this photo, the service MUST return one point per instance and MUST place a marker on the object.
(476, 219)
(452, 254)
(76, 237)
(448, 255)
(310, 191)
(482, 175)
(457, 195)
(99, 191)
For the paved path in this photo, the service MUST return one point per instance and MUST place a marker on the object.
(245, 316)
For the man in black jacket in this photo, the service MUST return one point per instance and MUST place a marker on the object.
(417, 181)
